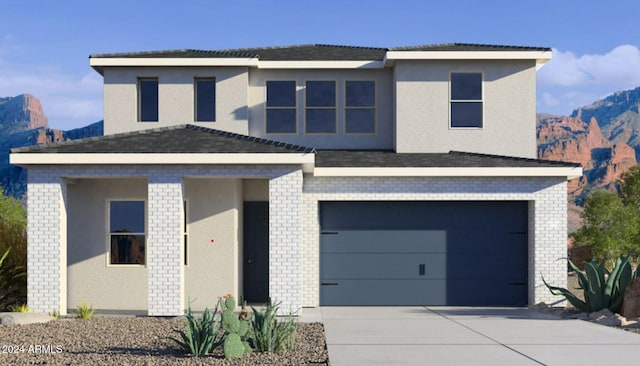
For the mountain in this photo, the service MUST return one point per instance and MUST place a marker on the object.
(23, 123)
(604, 137)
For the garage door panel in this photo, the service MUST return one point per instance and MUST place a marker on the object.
(382, 241)
(383, 292)
(474, 253)
(382, 266)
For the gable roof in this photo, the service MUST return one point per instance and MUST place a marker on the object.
(315, 52)
(167, 140)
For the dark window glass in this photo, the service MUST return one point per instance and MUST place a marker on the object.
(320, 94)
(184, 228)
(466, 114)
(360, 120)
(281, 93)
(148, 100)
(466, 86)
(321, 120)
(360, 93)
(127, 232)
(281, 120)
(205, 100)
(281, 107)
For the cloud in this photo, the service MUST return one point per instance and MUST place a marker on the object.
(617, 69)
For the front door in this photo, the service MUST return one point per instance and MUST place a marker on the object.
(256, 251)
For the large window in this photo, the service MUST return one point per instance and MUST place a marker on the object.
(205, 99)
(127, 232)
(360, 107)
(281, 107)
(148, 99)
(466, 100)
(320, 107)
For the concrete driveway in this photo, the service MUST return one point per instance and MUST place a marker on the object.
(467, 336)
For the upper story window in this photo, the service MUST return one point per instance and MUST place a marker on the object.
(466, 100)
(126, 232)
(360, 107)
(320, 107)
(281, 107)
(148, 99)
(205, 99)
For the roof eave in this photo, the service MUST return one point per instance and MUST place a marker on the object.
(568, 172)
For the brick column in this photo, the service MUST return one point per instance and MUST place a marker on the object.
(164, 245)
(550, 247)
(285, 240)
(46, 245)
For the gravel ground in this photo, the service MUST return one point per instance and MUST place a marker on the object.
(134, 341)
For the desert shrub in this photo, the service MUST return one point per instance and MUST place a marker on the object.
(603, 289)
(200, 336)
(84, 311)
(269, 334)
(236, 328)
(13, 248)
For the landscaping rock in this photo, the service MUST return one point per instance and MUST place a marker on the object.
(604, 313)
(23, 318)
(631, 301)
(631, 324)
(615, 320)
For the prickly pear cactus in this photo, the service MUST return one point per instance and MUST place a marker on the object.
(233, 346)
(236, 329)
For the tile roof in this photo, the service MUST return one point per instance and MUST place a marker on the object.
(175, 139)
(196, 139)
(452, 159)
(313, 52)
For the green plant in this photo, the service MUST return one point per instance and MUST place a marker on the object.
(236, 329)
(603, 289)
(22, 308)
(55, 314)
(270, 335)
(12, 283)
(200, 336)
(84, 311)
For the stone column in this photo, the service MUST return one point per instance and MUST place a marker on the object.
(164, 244)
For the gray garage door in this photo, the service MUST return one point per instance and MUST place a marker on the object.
(423, 253)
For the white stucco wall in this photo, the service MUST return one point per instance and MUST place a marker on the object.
(422, 108)
(90, 278)
(175, 97)
(214, 212)
(381, 139)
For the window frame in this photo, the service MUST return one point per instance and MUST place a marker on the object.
(109, 234)
(195, 97)
(294, 107)
(374, 108)
(334, 108)
(139, 98)
(453, 101)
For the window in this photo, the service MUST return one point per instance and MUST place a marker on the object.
(148, 99)
(185, 232)
(320, 107)
(205, 99)
(466, 100)
(360, 107)
(127, 232)
(281, 107)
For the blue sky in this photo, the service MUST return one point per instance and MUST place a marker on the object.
(44, 45)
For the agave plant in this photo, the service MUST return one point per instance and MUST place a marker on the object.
(602, 289)
(201, 336)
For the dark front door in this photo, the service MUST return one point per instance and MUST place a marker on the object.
(423, 253)
(256, 251)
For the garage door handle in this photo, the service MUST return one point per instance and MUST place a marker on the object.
(329, 284)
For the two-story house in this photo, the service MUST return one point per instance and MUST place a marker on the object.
(315, 175)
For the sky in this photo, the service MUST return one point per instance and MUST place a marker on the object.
(44, 45)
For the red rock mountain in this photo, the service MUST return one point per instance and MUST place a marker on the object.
(21, 113)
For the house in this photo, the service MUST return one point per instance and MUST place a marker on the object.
(313, 174)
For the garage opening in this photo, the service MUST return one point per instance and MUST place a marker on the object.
(462, 253)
